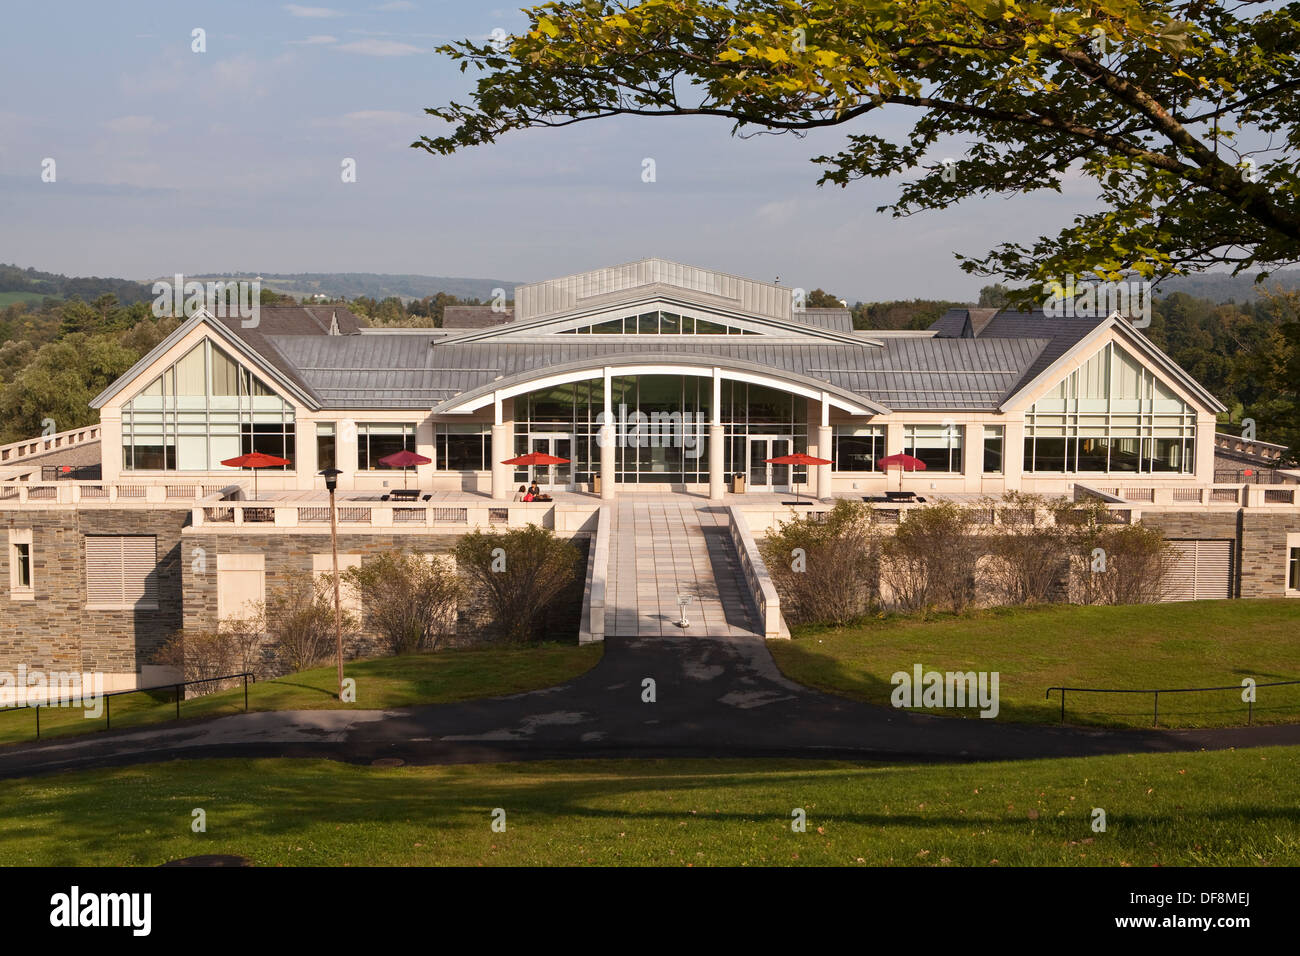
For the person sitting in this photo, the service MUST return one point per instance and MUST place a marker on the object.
(534, 490)
(528, 496)
(519, 495)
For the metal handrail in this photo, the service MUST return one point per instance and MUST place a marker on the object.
(108, 715)
(1250, 704)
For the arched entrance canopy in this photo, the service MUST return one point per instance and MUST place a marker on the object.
(498, 391)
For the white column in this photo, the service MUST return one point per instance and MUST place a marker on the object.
(503, 447)
(825, 449)
(607, 440)
(717, 450)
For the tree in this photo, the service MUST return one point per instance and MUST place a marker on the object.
(408, 598)
(59, 383)
(519, 572)
(994, 296)
(1182, 112)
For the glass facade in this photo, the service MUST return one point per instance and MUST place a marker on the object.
(659, 323)
(661, 427)
(993, 448)
(939, 446)
(325, 446)
(376, 440)
(1112, 415)
(203, 409)
(462, 447)
(858, 447)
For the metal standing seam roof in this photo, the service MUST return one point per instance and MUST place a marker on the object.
(413, 370)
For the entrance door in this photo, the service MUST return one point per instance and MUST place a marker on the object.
(552, 477)
(763, 475)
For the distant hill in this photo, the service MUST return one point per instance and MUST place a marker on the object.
(1220, 287)
(32, 285)
(377, 286)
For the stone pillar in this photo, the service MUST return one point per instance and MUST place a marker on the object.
(717, 452)
(824, 447)
(503, 447)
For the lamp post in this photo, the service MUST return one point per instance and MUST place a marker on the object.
(331, 476)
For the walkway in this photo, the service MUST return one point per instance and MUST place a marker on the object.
(666, 546)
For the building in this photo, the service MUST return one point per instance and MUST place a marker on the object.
(703, 375)
(646, 377)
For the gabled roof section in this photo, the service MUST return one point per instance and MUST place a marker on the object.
(250, 347)
(569, 293)
(655, 296)
(1076, 334)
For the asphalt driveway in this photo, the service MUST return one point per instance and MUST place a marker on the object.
(712, 698)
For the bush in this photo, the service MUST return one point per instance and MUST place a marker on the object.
(234, 647)
(409, 599)
(1134, 566)
(930, 561)
(299, 618)
(835, 580)
(520, 571)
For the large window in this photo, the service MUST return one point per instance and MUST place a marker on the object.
(1293, 570)
(326, 443)
(993, 435)
(202, 410)
(858, 447)
(462, 448)
(939, 446)
(376, 440)
(1111, 415)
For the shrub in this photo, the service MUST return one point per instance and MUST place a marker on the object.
(930, 560)
(233, 647)
(834, 581)
(300, 620)
(1028, 555)
(409, 599)
(1135, 564)
(519, 572)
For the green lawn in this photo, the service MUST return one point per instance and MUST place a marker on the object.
(430, 678)
(1221, 808)
(1191, 644)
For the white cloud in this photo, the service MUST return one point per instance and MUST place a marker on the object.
(315, 40)
(369, 118)
(396, 5)
(379, 48)
(311, 13)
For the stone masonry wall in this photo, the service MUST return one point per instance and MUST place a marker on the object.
(55, 631)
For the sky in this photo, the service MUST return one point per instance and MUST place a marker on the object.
(229, 160)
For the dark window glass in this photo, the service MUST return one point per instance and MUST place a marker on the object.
(993, 451)
(325, 447)
(23, 565)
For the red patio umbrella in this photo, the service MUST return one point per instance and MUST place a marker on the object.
(904, 463)
(404, 459)
(255, 460)
(536, 458)
(798, 458)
